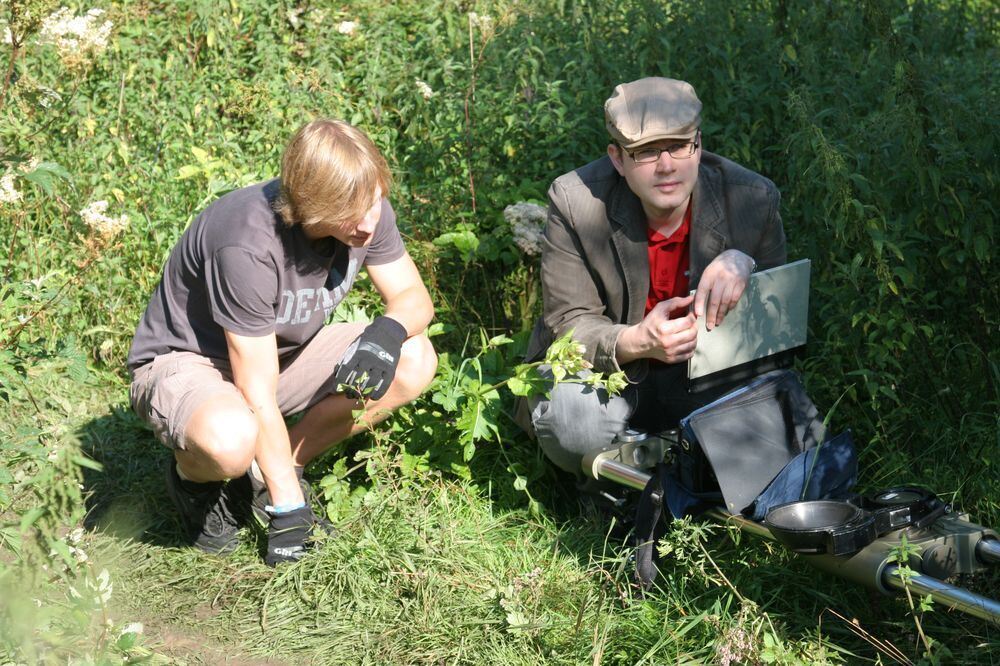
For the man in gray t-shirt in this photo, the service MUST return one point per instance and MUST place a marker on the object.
(235, 338)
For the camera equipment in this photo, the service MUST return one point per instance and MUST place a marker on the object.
(853, 539)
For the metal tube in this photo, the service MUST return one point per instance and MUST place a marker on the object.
(988, 550)
(957, 598)
(623, 474)
(743, 523)
(953, 597)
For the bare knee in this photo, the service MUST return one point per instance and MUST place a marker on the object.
(223, 438)
(417, 365)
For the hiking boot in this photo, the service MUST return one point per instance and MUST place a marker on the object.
(207, 511)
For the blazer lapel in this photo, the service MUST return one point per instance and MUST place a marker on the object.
(628, 235)
(709, 233)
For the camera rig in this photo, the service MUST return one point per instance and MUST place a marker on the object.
(854, 538)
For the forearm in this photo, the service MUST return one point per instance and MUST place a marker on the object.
(632, 345)
(412, 308)
(274, 456)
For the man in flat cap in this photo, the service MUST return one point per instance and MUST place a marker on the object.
(628, 237)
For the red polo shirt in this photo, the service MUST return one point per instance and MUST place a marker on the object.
(668, 264)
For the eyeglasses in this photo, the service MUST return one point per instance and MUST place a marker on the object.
(679, 151)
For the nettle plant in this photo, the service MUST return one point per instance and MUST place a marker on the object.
(470, 400)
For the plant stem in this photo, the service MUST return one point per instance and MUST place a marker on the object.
(483, 391)
(14, 55)
(470, 95)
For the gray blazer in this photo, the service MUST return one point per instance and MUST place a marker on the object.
(595, 267)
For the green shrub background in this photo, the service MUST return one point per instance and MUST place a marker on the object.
(877, 120)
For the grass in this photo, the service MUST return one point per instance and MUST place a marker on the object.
(430, 569)
(875, 119)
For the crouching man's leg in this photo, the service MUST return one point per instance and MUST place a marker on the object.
(195, 410)
(331, 420)
(578, 419)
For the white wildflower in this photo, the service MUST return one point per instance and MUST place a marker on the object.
(46, 96)
(425, 90)
(132, 628)
(7, 37)
(8, 193)
(53, 454)
(76, 536)
(108, 227)
(527, 222)
(76, 38)
(484, 22)
(347, 27)
(78, 554)
(293, 16)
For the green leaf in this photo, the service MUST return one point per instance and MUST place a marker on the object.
(126, 641)
(89, 463)
(188, 171)
(499, 340)
(465, 241)
(45, 174)
(30, 516)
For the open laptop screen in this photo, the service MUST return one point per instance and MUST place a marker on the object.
(769, 320)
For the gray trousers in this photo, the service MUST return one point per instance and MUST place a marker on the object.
(576, 419)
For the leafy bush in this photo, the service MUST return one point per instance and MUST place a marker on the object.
(876, 120)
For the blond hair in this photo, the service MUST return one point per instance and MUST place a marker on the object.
(329, 173)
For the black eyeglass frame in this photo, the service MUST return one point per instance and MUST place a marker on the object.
(694, 145)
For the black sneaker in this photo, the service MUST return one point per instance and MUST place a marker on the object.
(207, 512)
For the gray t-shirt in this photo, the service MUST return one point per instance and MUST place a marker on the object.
(239, 268)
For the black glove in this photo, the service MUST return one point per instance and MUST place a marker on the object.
(288, 534)
(369, 364)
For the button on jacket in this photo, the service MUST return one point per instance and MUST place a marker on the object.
(595, 269)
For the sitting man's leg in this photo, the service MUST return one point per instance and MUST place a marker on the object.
(577, 419)
(197, 411)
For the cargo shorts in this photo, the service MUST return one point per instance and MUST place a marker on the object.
(167, 391)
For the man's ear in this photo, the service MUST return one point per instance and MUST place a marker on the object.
(615, 153)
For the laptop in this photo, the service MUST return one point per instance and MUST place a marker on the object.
(762, 333)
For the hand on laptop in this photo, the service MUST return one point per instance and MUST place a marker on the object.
(721, 286)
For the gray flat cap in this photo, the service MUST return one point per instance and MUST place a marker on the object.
(651, 109)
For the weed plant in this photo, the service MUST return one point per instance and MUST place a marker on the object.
(877, 120)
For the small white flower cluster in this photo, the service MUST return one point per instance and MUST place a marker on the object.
(107, 227)
(75, 538)
(47, 96)
(76, 38)
(484, 22)
(527, 222)
(347, 27)
(424, 89)
(8, 193)
(96, 591)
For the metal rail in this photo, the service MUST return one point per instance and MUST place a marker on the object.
(988, 550)
(953, 597)
(884, 576)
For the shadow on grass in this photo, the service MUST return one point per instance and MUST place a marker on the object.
(127, 499)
